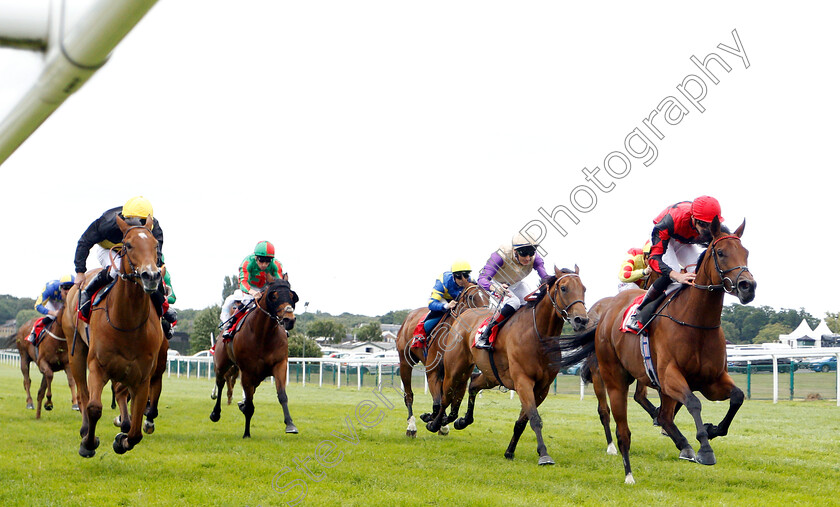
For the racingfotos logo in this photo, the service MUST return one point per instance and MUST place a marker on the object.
(640, 143)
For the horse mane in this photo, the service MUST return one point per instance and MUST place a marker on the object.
(548, 283)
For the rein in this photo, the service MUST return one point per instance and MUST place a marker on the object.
(562, 313)
(722, 273)
(132, 276)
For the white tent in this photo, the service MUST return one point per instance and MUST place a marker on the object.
(804, 336)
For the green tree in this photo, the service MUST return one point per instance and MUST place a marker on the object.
(296, 348)
(832, 320)
(230, 285)
(370, 332)
(753, 323)
(770, 333)
(24, 315)
(394, 317)
(729, 331)
(205, 324)
(327, 329)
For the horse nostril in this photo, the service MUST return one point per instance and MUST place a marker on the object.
(744, 285)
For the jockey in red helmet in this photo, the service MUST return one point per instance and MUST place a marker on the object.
(677, 231)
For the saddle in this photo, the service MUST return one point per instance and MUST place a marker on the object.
(239, 320)
(39, 330)
(493, 333)
(419, 333)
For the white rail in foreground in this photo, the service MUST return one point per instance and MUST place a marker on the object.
(203, 366)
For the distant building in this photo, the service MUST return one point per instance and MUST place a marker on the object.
(805, 337)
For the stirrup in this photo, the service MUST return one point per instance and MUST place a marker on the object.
(634, 324)
(483, 341)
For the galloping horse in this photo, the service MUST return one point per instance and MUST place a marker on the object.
(123, 420)
(125, 339)
(472, 296)
(523, 356)
(259, 349)
(28, 354)
(687, 348)
(53, 356)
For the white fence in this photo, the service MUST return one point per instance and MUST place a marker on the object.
(203, 366)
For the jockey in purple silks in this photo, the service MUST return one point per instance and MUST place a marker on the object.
(509, 266)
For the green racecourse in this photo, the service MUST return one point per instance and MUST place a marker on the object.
(784, 454)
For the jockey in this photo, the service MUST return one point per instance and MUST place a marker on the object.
(170, 317)
(677, 231)
(103, 234)
(49, 301)
(446, 290)
(634, 270)
(509, 266)
(232, 304)
(255, 272)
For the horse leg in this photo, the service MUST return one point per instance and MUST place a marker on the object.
(93, 409)
(280, 383)
(675, 386)
(665, 419)
(246, 406)
(151, 413)
(231, 382)
(528, 397)
(27, 382)
(722, 390)
(457, 397)
(78, 367)
(119, 396)
(478, 381)
(408, 397)
(124, 442)
(617, 389)
(41, 391)
(74, 393)
(603, 408)
(221, 366)
(440, 390)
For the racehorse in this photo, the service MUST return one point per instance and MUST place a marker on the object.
(125, 338)
(53, 356)
(472, 296)
(259, 349)
(523, 356)
(687, 348)
(28, 354)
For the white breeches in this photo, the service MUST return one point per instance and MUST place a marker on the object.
(104, 257)
(681, 255)
(515, 295)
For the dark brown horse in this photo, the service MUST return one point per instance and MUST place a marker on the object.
(523, 356)
(52, 355)
(687, 348)
(472, 296)
(258, 350)
(125, 339)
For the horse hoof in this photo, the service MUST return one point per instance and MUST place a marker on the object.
(545, 460)
(444, 431)
(149, 427)
(509, 455)
(426, 417)
(291, 428)
(431, 427)
(410, 433)
(30, 406)
(629, 479)
(75, 407)
(611, 450)
(117, 421)
(706, 458)
(118, 446)
(688, 454)
(48, 406)
(213, 395)
(215, 416)
(85, 452)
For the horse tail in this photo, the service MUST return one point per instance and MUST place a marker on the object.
(577, 347)
(586, 368)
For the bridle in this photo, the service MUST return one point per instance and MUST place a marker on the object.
(733, 284)
(564, 312)
(134, 274)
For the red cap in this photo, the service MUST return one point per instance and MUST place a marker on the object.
(706, 208)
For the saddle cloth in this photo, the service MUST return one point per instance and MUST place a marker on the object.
(481, 330)
(629, 312)
(419, 331)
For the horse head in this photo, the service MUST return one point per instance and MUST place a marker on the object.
(567, 297)
(723, 266)
(280, 301)
(140, 255)
(473, 296)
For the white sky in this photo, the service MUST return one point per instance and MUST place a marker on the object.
(374, 142)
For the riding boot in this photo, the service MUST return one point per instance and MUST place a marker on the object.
(635, 323)
(483, 341)
(158, 298)
(167, 328)
(101, 279)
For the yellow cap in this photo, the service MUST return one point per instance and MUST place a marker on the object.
(138, 207)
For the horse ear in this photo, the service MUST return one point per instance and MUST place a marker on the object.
(295, 298)
(149, 222)
(557, 272)
(121, 223)
(740, 230)
(286, 276)
(577, 270)
(715, 227)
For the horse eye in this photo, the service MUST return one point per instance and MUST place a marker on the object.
(720, 253)
(563, 289)
(128, 246)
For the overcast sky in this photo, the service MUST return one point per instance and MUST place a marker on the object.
(375, 142)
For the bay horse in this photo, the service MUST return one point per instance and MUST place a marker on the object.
(258, 350)
(53, 356)
(28, 354)
(687, 347)
(472, 296)
(120, 393)
(524, 356)
(125, 338)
